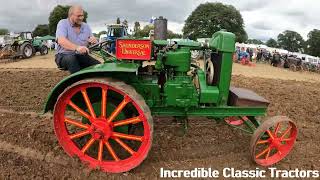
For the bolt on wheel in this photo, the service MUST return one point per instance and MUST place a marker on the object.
(96, 135)
(273, 140)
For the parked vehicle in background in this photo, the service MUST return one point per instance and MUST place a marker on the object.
(22, 45)
(114, 32)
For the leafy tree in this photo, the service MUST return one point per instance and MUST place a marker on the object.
(291, 41)
(136, 26)
(313, 43)
(272, 43)
(209, 18)
(172, 35)
(125, 23)
(118, 21)
(41, 30)
(254, 41)
(58, 13)
(144, 32)
(4, 31)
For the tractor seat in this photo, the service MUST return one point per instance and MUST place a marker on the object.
(245, 97)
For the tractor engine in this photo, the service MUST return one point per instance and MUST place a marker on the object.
(178, 89)
(167, 78)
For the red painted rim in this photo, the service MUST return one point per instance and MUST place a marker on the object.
(235, 121)
(101, 130)
(274, 141)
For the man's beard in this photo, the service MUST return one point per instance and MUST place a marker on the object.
(77, 24)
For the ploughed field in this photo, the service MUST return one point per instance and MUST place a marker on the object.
(29, 148)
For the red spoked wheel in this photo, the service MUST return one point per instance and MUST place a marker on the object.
(273, 140)
(105, 123)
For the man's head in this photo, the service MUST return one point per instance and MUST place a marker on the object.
(76, 15)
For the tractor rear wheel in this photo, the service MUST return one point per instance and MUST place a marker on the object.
(44, 50)
(273, 140)
(26, 50)
(98, 136)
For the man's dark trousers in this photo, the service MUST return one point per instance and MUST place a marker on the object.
(74, 62)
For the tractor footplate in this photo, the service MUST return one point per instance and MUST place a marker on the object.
(245, 97)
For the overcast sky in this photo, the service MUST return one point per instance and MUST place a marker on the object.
(263, 19)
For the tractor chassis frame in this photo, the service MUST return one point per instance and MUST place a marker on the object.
(216, 113)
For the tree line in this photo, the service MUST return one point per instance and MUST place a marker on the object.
(206, 19)
(293, 42)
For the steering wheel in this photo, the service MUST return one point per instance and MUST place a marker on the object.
(99, 44)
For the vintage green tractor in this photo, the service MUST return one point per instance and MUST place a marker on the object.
(103, 114)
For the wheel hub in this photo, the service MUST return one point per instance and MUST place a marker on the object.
(100, 129)
(276, 142)
(28, 51)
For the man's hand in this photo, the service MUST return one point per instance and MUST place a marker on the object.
(92, 40)
(82, 50)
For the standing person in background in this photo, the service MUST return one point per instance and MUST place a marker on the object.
(237, 54)
(275, 59)
(259, 54)
(250, 54)
(243, 55)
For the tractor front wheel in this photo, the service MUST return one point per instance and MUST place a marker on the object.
(26, 50)
(44, 50)
(273, 140)
(105, 123)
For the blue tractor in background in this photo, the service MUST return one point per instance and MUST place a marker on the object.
(114, 32)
